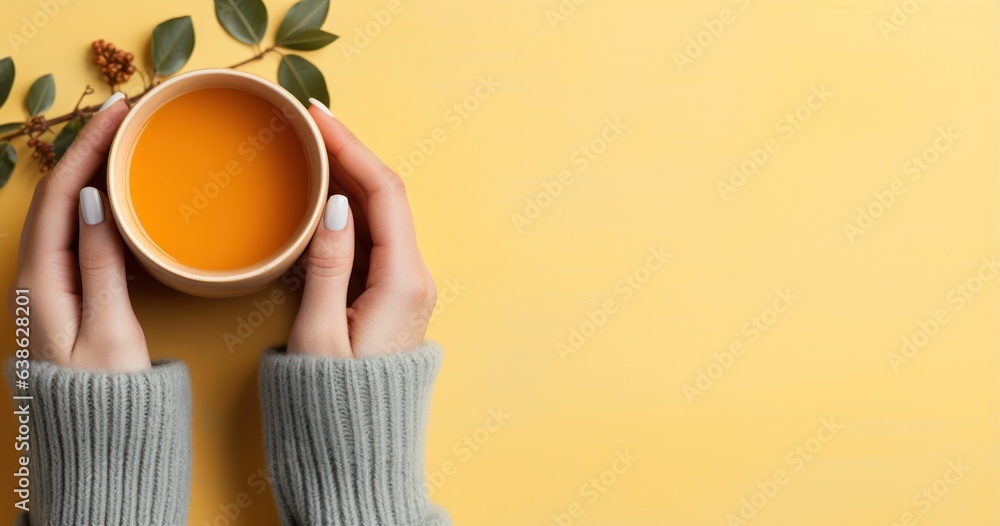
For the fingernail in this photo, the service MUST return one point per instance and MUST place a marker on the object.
(91, 205)
(321, 106)
(111, 100)
(336, 213)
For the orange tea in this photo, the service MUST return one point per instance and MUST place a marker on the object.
(218, 179)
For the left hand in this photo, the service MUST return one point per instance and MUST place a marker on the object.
(80, 313)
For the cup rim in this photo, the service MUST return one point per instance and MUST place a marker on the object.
(137, 240)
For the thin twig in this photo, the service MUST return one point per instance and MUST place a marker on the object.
(145, 81)
(87, 91)
(254, 58)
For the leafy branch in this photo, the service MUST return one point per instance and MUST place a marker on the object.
(173, 43)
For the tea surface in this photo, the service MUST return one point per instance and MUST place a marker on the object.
(218, 179)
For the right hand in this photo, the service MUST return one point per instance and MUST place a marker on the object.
(392, 313)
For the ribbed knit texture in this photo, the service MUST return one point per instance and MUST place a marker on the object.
(345, 438)
(110, 448)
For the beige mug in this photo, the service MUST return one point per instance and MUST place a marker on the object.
(215, 283)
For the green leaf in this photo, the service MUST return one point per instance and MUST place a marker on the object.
(173, 43)
(66, 137)
(307, 14)
(10, 127)
(302, 79)
(8, 160)
(41, 95)
(6, 78)
(245, 20)
(307, 40)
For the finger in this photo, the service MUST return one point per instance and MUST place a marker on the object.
(387, 212)
(53, 208)
(341, 184)
(320, 326)
(362, 238)
(105, 302)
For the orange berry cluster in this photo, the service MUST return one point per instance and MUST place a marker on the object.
(43, 153)
(115, 64)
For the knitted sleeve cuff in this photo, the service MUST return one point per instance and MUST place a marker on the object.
(109, 448)
(345, 437)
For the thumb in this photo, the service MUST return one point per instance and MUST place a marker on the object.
(106, 312)
(320, 326)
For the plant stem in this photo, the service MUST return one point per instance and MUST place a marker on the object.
(87, 91)
(85, 112)
(89, 111)
(254, 58)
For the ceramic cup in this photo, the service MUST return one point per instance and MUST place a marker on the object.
(215, 283)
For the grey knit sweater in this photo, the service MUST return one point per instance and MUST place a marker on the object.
(345, 442)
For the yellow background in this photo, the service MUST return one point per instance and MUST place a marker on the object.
(654, 186)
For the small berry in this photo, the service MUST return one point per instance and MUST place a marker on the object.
(115, 64)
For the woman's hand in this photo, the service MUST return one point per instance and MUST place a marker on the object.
(368, 228)
(80, 313)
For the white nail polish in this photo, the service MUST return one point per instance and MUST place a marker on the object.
(336, 213)
(321, 106)
(111, 100)
(91, 206)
